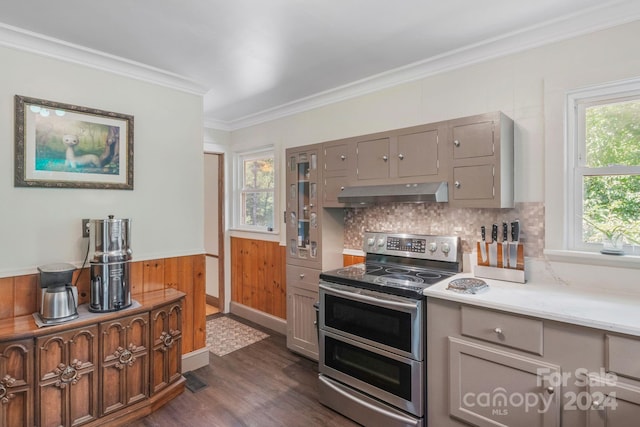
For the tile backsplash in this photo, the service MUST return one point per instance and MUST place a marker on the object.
(439, 218)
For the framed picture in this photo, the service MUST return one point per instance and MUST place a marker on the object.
(66, 146)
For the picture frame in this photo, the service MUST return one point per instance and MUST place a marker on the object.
(61, 145)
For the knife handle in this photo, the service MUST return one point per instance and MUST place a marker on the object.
(494, 233)
(505, 231)
(515, 231)
(483, 233)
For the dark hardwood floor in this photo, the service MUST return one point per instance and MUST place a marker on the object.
(263, 385)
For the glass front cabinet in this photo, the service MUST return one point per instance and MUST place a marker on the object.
(302, 215)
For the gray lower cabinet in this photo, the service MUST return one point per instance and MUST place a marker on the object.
(495, 368)
(493, 387)
(302, 294)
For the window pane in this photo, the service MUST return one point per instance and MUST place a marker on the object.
(611, 204)
(258, 174)
(257, 209)
(612, 134)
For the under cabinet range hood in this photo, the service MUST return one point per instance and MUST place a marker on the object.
(400, 193)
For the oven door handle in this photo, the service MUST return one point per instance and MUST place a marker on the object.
(381, 302)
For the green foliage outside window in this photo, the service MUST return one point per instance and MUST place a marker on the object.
(258, 192)
(612, 202)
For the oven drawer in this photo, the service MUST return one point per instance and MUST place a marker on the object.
(501, 328)
(396, 380)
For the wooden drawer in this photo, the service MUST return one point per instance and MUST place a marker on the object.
(622, 356)
(303, 276)
(502, 328)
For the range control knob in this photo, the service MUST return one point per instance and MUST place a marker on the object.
(371, 241)
(380, 242)
(445, 248)
(433, 246)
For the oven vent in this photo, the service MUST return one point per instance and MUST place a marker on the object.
(399, 193)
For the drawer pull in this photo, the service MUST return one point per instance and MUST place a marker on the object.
(550, 390)
(343, 157)
(401, 156)
(456, 143)
(301, 275)
(597, 405)
(385, 158)
(498, 331)
(456, 184)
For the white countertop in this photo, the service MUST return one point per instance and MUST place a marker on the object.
(617, 312)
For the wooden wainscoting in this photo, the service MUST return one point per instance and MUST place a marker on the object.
(20, 295)
(351, 259)
(258, 273)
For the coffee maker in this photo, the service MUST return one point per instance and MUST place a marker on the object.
(59, 298)
(110, 287)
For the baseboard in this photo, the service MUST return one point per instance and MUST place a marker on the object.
(195, 359)
(213, 301)
(263, 319)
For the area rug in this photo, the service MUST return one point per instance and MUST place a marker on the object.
(225, 335)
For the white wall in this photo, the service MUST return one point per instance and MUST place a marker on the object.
(39, 225)
(514, 84)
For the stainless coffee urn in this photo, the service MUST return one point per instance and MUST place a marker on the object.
(110, 265)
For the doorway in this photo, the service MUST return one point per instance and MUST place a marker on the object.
(214, 230)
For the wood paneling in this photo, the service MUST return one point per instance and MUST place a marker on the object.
(258, 275)
(352, 259)
(20, 295)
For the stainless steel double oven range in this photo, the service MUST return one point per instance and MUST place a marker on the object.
(372, 328)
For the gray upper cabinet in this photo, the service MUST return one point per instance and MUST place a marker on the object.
(401, 156)
(336, 173)
(482, 161)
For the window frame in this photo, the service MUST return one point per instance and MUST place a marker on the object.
(240, 157)
(577, 103)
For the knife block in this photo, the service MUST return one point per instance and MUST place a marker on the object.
(501, 271)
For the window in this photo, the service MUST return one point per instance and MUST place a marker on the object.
(255, 190)
(604, 156)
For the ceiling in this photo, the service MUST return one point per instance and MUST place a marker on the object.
(252, 58)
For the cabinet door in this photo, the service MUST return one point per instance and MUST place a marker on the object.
(609, 402)
(418, 154)
(474, 182)
(125, 362)
(335, 159)
(66, 365)
(373, 159)
(490, 387)
(303, 210)
(473, 140)
(16, 383)
(166, 338)
(302, 294)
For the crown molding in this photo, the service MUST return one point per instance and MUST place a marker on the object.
(588, 21)
(28, 41)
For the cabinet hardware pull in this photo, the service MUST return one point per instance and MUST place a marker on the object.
(498, 331)
(456, 184)
(167, 340)
(341, 188)
(401, 156)
(126, 357)
(310, 205)
(597, 405)
(302, 275)
(385, 158)
(550, 390)
(456, 143)
(343, 157)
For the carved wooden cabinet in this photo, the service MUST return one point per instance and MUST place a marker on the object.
(101, 369)
(66, 368)
(166, 336)
(124, 355)
(16, 383)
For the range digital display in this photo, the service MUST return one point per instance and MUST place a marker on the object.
(406, 244)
